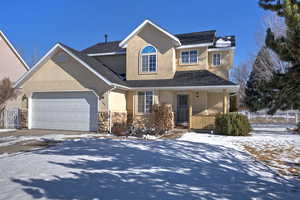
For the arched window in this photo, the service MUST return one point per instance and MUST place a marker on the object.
(148, 59)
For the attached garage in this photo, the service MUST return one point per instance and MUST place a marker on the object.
(63, 111)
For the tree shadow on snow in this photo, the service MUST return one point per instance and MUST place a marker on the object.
(135, 170)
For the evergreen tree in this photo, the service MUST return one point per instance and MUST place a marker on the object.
(257, 92)
(284, 87)
(255, 96)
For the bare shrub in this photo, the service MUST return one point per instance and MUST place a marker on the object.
(7, 92)
(163, 118)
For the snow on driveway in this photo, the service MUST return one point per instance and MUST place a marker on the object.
(194, 167)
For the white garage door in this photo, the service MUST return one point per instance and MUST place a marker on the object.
(64, 111)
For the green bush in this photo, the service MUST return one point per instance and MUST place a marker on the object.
(233, 124)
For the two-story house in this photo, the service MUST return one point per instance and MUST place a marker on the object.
(118, 82)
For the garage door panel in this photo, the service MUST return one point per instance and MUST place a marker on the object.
(65, 110)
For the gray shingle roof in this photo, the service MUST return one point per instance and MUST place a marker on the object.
(104, 47)
(185, 39)
(196, 37)
(184, 78)
(97, 66)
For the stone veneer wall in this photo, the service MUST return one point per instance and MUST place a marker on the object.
(103, 122)
(143, 121)
(161, 118)
(24, 119)
(119, 119)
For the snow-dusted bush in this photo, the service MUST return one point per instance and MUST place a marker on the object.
(158, 122)
(233, 124)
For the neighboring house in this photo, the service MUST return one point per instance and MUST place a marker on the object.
(12, 65)
(117, 82)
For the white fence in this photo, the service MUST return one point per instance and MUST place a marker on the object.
(291, 116)
(10, 118)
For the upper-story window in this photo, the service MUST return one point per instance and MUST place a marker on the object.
(216, 59)
(148, 59)
(189, 57)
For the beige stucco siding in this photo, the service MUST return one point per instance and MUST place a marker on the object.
(130, 101)
(69, 75)
(117, 101)
(167, 97)
(226, 63)
(199, 102)
(165, 54)
(215, 102)
(10, 65)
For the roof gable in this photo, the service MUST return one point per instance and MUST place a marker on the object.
(2, 35)
(90, 63)
(124, 42)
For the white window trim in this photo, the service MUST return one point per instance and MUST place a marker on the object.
(212, 59)
(189, 63)
(147, 54)
(144, 91)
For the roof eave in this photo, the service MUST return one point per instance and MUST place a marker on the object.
(231, 88)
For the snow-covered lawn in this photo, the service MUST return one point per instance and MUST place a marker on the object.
(273, 144)
(196, 166)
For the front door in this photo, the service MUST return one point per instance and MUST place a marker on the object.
(182, 109)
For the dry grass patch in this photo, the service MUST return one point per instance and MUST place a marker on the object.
(27, 145)
(286, 160)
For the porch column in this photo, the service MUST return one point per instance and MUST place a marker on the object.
(190, 109)
(205, 101)
(225, 102)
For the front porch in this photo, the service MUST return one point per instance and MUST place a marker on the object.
(202, 108)
(192, 109)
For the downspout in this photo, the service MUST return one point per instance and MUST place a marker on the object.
(109, 109)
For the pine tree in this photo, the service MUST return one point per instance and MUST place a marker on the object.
(257, 92)
(284, 87)
(255, 99)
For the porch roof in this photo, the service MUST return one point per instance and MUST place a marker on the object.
(191, 78)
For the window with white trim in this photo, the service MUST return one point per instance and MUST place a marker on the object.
(145, 101)
(148, 59)
(216, 59)
(189, 57)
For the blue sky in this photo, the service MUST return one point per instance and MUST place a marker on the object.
(35, 26)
